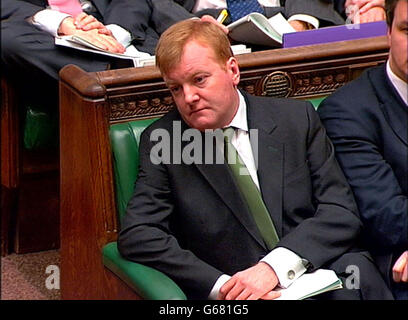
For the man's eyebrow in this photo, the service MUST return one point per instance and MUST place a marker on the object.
(402, 24)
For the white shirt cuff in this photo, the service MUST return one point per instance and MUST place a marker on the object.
(217, 286)
(49, 20)
(287, 265)
(121, 35)
(306, 18)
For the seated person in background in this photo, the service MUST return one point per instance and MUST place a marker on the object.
(361, 11)
(28, 52)
(367, 120)
(302, 14)
(237, 233)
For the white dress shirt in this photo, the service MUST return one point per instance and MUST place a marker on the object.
(287, 265)
(400, 85)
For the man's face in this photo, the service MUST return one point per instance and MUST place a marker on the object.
(204, 92)
(398, 41)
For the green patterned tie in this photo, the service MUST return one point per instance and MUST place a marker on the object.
(250, 192)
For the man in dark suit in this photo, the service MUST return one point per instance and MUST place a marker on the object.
(28, 52)
(367, 121)
(190, 216)
(26, 41)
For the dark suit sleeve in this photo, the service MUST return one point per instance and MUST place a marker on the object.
(355, 134)
(321, 9)
(146, 20)
(16, 8)
(146, 237)
(132, 15)
(335, 225)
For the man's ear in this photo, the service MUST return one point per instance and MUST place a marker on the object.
(389, 36)
(233, 68)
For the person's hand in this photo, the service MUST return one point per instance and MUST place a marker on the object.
(88, 22)
(372, 15)
(253, 283)
(103, 41)
(299, 25)
(361, 11)
(365, 5)
(211, 19)
(400, 268)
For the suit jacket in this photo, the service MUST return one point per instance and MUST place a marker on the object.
(190, 222)
(367, 122)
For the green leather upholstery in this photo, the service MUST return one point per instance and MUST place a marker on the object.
(147, 282)
(125, 139)
(316, 101)
(40, 129)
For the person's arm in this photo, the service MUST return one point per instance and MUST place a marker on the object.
(320, 239)
(351, 125)
(145, 235)
(86, 26)
(18, 9)
(322, 11)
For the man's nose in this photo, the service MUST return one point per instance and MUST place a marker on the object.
(190, 94)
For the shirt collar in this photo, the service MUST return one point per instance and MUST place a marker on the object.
(399, 84)
(240, 119)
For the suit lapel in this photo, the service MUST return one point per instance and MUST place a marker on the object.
(221, 180)
(391, 104)
(270, 159)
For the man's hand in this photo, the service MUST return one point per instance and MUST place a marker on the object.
(400, 268)
(211, 19)
(103, 41)
(299, 25)
(253, 283)
(365, 10)
(372, 15)
(88, 22)
(365, 5)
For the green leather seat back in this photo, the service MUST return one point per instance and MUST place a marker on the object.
(147, 282)
(125, 139)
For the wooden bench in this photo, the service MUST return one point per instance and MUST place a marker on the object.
(29, 182)
(91, 102)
